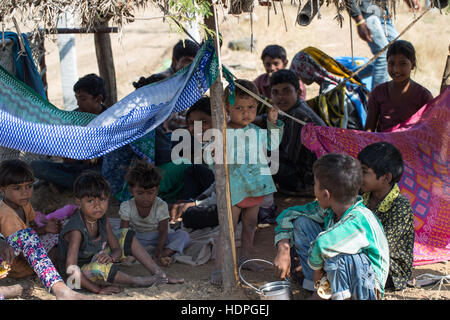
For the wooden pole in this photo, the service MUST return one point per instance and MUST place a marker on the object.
(42, 64)
(82, 30)
(105, 63)
(446, 77)
(223, 198)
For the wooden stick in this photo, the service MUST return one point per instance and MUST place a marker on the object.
(351, 36)
(284, 17)
(445, 78)
(81, 30)
(221, 174)
(105, 61)
(42, 64)
(268, 104)
(19, 34)
(179, 24)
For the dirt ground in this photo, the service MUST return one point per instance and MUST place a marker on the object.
(197, 286)
(146, 45)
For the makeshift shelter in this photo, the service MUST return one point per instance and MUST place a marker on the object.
(95, 15)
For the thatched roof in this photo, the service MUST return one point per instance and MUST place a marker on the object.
(88, 13)
(45, 13)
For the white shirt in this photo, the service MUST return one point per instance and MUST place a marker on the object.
(159, 211)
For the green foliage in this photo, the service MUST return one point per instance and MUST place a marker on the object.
(184, 11)
(188, 8)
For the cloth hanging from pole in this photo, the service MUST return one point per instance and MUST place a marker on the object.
(25, 68)
(423, 143)
(32, 124)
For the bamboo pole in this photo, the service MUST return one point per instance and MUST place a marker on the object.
(446, 77)
(226, 230)
(42, 64)
(102, 29)
(105, 63)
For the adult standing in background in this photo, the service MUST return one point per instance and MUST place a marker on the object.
(375, 26)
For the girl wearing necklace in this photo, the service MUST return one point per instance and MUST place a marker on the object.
(88, 242)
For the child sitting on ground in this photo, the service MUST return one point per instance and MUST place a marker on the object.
(249, 181)
(393, 102)
(88, 242)
(274, 58)
(149, 215)
(17, 213)
(336, 236)
(382, 167)
(197, 178)
(27, 243)
(294, 176)
(90, 92)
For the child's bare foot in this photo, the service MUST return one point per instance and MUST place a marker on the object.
(172, 280)
(109, 290)
(216, 278)
(129, 260)
(63, 292)
(13, 291)
(149, 281)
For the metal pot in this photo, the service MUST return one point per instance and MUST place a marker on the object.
(277, 290)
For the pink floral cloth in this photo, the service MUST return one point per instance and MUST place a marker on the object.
(424, 143)
(49, 240)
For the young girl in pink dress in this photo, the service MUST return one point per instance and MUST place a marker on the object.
(395, 101)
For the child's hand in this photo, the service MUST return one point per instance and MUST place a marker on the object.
(104, 258)
(178, 208)
(272, 115)
(157, 254)
(282, 261)
(53, 226)
(7, 252)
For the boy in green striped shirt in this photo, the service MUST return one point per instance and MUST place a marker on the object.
(335, 236)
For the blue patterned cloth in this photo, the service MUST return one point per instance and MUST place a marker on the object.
(50, 131)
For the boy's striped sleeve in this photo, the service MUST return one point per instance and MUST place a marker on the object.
(285, 220)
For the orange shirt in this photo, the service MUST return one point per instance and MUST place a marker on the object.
(10, 222)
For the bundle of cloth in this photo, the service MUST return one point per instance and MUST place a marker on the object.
(343, 107)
